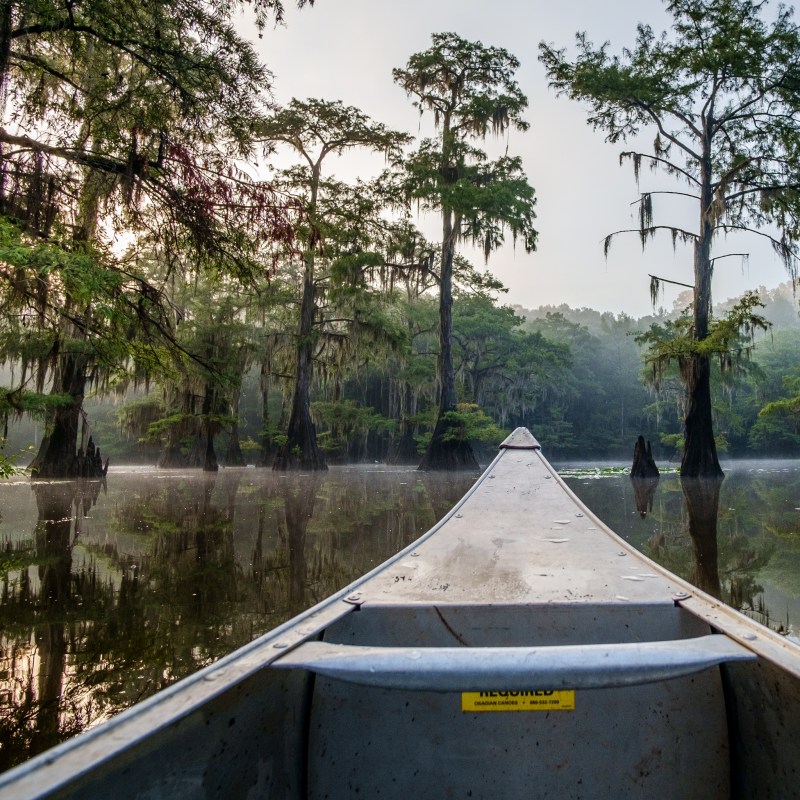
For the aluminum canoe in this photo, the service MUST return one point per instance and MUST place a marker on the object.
(520, 649)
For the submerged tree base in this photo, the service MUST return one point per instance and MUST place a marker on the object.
(700, 458)
(446, 451)
(707, 468)
(644, 465)
(301, 452)
(644, 476)
(289, 461)
(50, 463)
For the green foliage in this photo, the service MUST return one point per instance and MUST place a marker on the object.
(348, 425)
(778, 422)
(673, 441)
(730, 339)
(33, 403)
(570, 375)
(788, 405)
(470, 423)
(125, 122)
(720, 94)
(468, 87)
(506, 368)
(486, 196)
(159, 429)
(7, 469)
(470, 90)
(250, 447)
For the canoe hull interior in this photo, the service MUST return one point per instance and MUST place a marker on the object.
(666, 740)
(763, 704)
(285, 734)
(247, 742)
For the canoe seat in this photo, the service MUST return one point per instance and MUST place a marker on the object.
(468, 669)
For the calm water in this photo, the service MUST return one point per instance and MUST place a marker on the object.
(753, 561)
(113, 591)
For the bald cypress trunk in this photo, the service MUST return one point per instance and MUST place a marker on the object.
(301, 450)
(700, 458)
(57, 456)
(405, 451)
(445, 451)
(210, 463)
(700, 451)
(233, 454)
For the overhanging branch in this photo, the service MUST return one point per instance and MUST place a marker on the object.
(645, 233)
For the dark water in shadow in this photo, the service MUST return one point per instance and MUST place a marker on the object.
(113, 590)
(737, 539)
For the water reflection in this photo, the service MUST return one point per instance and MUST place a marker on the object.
(702, 507)
(110, 593)
(38, 623)
(737, 539)
(644, 490)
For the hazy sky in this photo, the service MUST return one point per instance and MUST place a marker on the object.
(346, 49)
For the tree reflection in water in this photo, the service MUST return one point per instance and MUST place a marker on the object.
(702, 507)
(701, 503)
(737, 539)
(41, 619)
(644, 490)
(116, 595)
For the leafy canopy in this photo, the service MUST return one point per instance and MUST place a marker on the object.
(723, 92)
(471, 92)
(730, 339)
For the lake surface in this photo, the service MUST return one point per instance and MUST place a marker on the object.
(114, 590)
(753, 561)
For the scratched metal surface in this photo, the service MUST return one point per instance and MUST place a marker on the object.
(519, 539)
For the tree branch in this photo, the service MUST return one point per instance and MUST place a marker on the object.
(674, 283)
(670, 167)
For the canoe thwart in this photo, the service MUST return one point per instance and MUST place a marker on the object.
(466, 669)
(520, 439)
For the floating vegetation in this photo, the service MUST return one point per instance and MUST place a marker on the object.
(603, 472)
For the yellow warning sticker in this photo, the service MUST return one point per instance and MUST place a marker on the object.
(518, 701)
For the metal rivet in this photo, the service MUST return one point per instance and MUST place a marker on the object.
(579, 514)
(749, 636)
(681, 595)
(415, 554)
(622, 553)
(280, 645)
(354, 596)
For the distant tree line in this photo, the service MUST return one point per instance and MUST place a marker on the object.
(575, 377)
